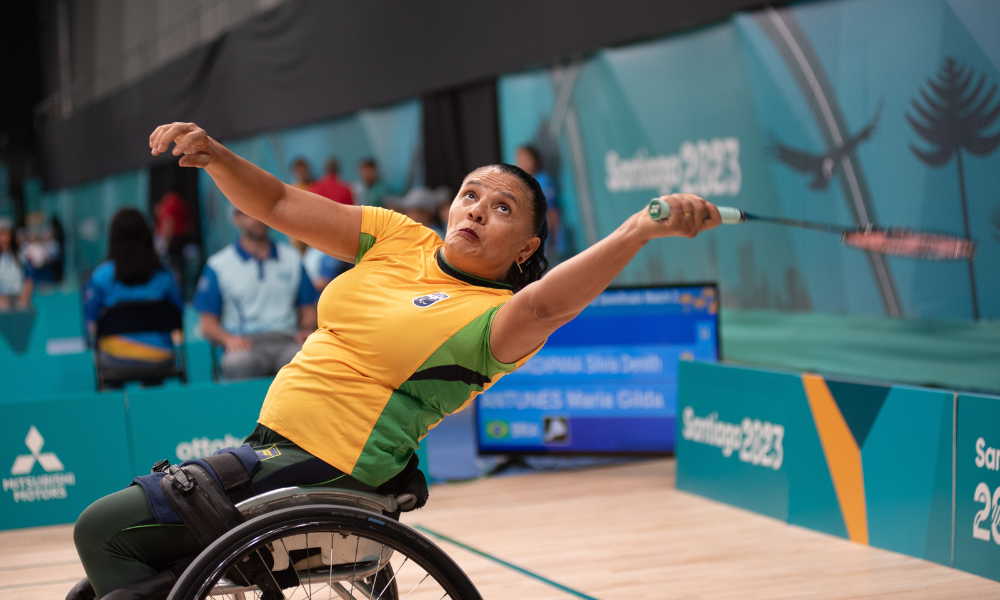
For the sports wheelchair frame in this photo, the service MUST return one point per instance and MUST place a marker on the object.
(325, 543)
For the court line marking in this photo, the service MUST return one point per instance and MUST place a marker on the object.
(38, 584)
(504, 563)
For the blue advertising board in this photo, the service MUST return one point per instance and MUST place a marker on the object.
(977, 486)
(607, 381)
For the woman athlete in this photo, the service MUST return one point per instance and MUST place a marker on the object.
(412, 333)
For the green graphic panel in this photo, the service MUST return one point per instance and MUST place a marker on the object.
(733, 430)
(907, 471)
(58, 456)
(178, 423)
(977, 486)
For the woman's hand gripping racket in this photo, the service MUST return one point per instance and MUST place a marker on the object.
(897, 242)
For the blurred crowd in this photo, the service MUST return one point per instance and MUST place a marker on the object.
(255, 299)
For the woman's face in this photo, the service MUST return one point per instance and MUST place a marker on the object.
(489, 225)
(5, 238)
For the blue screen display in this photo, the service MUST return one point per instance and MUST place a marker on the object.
(606, 382)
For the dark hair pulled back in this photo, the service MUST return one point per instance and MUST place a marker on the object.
(131, 248)
(532, 269)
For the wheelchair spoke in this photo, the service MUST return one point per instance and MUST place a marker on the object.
(393, 578)
(416, 586)
(354, 577)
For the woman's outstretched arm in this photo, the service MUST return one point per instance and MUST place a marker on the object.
(535, 312)
(330, 227)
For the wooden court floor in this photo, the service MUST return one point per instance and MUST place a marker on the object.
(610, 533)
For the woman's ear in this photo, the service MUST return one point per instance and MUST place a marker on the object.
(528, 249)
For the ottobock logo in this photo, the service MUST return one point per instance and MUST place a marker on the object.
(429, 299)
(26, 487)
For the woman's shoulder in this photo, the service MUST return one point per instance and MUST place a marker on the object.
(104, 273)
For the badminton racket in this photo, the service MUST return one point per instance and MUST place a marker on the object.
(894, 241)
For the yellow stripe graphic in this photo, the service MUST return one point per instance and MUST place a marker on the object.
(842, 456)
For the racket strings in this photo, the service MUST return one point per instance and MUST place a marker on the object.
(911, 244)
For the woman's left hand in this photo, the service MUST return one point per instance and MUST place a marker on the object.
(689, 216)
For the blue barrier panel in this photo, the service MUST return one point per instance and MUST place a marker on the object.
(35, 376)
(977, 486)
(731, 435)
(58, 456)
(57, 315)
(182, 422)
(907, 461)
(867, 462)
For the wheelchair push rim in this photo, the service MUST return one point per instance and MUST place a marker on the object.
(406, 565)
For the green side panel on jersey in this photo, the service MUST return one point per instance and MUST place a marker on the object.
(393, 440)
(462, 365)
(364, 245)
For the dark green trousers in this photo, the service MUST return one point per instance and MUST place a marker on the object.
(119, 542)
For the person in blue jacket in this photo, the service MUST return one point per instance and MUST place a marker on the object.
(132, 272)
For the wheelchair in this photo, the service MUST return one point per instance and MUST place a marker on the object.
(325, 543)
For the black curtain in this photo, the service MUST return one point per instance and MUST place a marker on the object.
(461, 132)
(308, 60)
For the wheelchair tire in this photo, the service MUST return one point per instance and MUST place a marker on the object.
(202, 575)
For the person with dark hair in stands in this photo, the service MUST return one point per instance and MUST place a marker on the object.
(414, 332)
(16, 283)
(131, 273)
(373, 189)
(330, 186)
(529, 159)
(302, 173)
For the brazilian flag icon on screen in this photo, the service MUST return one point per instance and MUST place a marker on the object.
(497, 429)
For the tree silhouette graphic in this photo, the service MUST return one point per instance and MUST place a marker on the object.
(951, 119)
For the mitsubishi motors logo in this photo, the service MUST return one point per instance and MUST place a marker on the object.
(26, 487)
(25, 462)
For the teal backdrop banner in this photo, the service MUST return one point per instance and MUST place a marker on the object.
(977, 486)
(888, 118)
(59, 455)
(191, 422)
(390, 135)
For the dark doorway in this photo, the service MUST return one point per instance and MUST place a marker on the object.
(176, 212)
(461, 132)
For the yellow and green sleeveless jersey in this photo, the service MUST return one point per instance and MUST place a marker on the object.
(403, 340)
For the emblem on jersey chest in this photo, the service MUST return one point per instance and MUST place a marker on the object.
(425, 301)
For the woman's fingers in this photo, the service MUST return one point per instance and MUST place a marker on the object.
(714, 219)
(164, 134)
(189, 140)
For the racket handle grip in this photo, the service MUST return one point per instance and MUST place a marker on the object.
(659, 210)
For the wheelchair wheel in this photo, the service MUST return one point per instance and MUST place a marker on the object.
(324, 551)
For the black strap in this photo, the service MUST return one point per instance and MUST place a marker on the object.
(199, 502)
(208, 513)
(230, 471)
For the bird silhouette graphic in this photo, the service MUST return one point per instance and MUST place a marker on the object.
(821, 166)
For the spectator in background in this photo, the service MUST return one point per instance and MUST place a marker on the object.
(373, 190)
(175, 234)
(421, 205)
(330, 186)
(556, 247)
(302, 174)
(131, 273)
(256, 301)
(38, 256)
(16, 283)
